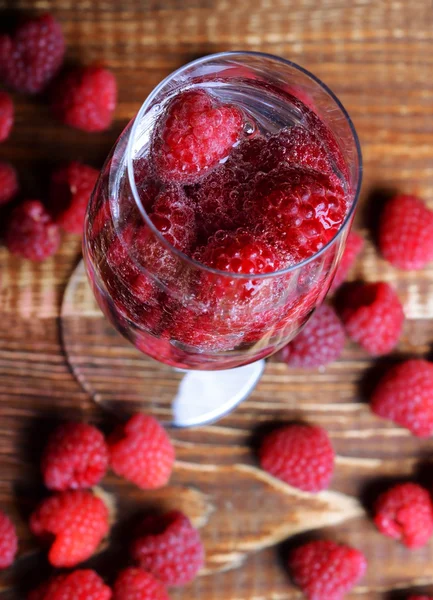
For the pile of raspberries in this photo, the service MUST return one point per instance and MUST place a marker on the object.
(167, 549)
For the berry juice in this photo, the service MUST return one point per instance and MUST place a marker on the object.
(207, 234)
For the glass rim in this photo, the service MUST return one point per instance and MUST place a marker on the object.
(188, 259)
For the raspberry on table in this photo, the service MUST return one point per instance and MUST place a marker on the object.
(405, 513)
(319, 343)
(82, 584)
(354, 246)
(30, 232)
(8, 183)
(33, 55)
(325, 570)
(373, 316)
(195, 135)
(169, 548)
(75, 522)
(406, 233)
(136, 584)
(85, 98)
(6, 116)
(300, 455)
(405, 395)
(71, 186)
(8, 541)
(76, 456)
(141, 452)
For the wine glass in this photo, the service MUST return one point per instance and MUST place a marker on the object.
(215, 325)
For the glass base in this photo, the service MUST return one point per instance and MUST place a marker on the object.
(123, 380)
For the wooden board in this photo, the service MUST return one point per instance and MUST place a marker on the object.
(377, 55)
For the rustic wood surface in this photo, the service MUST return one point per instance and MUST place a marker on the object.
(377, 55)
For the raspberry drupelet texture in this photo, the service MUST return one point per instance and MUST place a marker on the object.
(82, 584)
(170, 548)
(173, 215)
(319, 343)
(33, 55)
(300, 455)
(325, 570)
(373, 316)
(196, 134)
(30, 232)
(6, 115)
(405, 395)
(405, 513)
(136, 584)
(8, 183)
(76, 456)
(8, 541)
(71, 186)
(86, 98)
(75, 522)
(141, 451)
(406, 233)
(354, 246)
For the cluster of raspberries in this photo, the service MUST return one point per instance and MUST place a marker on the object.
(85, 98)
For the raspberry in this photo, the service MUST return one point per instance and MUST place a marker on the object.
(303, 207)
(31, 58)
(300, 455)
(86, 98)
(420, 598)
(173, 215)
(8, 541)
(78, 585)
(6, 115)
(31, 233)
(405, 395)
(319, 343)
(71, 187)
(373, 316)
(8, 183)
(141, 451)
(406, 233)
(354, 245)
(405, 512)
(135, 584)
(302, 147)
(76, 456)
(170, 548)
(325, 570)
(195, 135)
(77, 520)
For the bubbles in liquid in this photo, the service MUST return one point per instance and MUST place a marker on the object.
(249, 128)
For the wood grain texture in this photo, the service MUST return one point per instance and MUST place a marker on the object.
(377, 55)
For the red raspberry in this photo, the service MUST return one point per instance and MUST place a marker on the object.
(6, 115)
(173, 215)
(406, 233)
(420, 598)
(8, 541)
(170, 548)
(405, 395)
(78, 585)
(71, 186)
(319, 343)
(142, 452)
(405, 512)
(8, 183)
(325, 570)
(373, 316)
(76, 456)
(195, 135)
(31, 233)
(302, 147)
(31, 58)
(86, 98)
(135, 584)
(300, 455)
(77, 520)
(354, 245)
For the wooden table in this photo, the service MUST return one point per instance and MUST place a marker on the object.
(377, 55)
